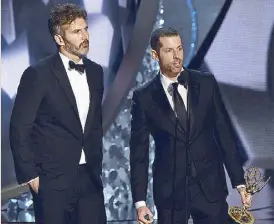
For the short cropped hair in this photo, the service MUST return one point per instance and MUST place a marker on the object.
(161, 32)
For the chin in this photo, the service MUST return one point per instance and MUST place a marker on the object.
(177, 70)
(84, 53)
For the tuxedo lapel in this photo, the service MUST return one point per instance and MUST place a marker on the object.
(94, 92)
(60, 73)
(161, 100)
(194, 95)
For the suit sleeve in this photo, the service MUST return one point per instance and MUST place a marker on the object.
(28, 98)
(226, 139)
(100, 141)
(139, 150)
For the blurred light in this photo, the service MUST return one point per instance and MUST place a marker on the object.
(122, 3)
(15, 59)
(93, 6)
(161, 22)
(7, 23)
(45, 1)
(101, 35)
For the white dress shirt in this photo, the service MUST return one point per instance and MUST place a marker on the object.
(167, 85)
(80, 88)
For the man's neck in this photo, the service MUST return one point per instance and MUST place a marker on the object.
(72, 57)
(172, 76)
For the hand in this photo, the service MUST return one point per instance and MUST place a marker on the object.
(142, 213)
(245, 196)
(34, 184)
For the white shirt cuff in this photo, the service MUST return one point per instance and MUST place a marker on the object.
(240, 186)
(139, 204)
(23, 184)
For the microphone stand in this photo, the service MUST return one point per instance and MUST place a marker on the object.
(187, 166)
(174, 170)
(187, 155)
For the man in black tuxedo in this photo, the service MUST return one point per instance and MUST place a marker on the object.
(56, 126)
(204, 140)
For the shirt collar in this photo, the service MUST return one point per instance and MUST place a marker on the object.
(166, 82)
(66, 60)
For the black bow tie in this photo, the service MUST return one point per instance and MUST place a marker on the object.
(78, 67)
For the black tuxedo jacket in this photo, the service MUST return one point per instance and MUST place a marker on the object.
(46, 136)
(211, 144)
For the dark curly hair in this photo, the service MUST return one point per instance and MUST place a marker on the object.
(161, 32)
(63, 14)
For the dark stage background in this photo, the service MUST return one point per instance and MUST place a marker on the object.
(232, 39)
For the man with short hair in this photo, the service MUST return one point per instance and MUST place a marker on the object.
(190, 150)
(56, 126)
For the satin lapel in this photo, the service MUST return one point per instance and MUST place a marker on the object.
(194, 94)
(61, 75)
(94, 92)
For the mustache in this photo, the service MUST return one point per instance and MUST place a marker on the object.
(86, 42)
(177, 61)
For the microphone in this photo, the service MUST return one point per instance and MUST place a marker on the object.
(183, 78)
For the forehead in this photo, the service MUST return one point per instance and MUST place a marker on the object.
(170, 42)
(78, 23)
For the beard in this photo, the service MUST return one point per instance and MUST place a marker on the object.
(173, 67)
(79, 51)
